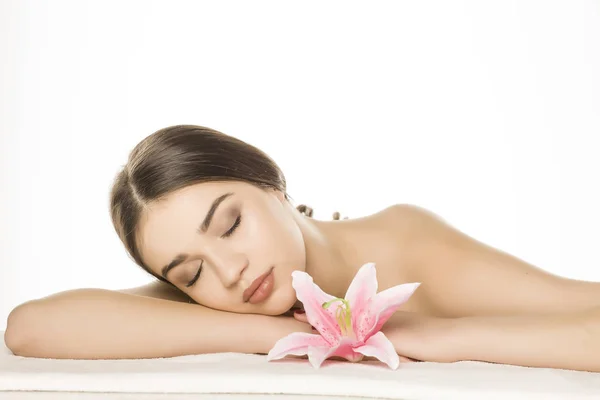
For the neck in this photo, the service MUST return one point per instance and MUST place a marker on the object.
(330, 255)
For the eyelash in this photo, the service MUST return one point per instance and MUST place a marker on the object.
(191, 283)
(225, 235)
(233, 228)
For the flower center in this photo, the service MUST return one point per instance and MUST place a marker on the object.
(343, 315)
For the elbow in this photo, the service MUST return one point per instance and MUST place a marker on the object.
(18, 329)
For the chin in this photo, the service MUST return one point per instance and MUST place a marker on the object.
(283, 297)
(280, 301)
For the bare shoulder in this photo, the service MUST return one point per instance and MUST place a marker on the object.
(159, 290)
(464, 276)
(411, 232)
(412, 214)
(414, 224)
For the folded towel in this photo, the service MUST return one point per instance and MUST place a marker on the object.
(249, 373)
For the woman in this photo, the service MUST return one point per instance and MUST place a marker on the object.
(209, 216)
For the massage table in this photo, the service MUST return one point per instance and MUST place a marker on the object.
(250, 376)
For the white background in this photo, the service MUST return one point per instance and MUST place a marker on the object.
(486, 113)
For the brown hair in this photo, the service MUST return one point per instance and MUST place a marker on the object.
(178, 156)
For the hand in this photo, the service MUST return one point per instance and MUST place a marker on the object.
(301, 316)
(277, 327)
(416, 337)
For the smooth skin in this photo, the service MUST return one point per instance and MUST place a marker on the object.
(475, 302)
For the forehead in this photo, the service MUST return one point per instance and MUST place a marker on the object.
(168, 225)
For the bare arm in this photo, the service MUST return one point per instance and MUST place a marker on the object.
(104, 324)
(159, 290)
(559, 340)
(565, 340)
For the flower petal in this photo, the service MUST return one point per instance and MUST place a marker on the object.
(380, 347)
(381, 307)
(387, 302)
(316, 355)
(312, 298)
(344, 349)
(297, 344)
(362, 288)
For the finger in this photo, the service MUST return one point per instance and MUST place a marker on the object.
(405, 359)
(300, 316)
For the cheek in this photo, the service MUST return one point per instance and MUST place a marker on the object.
(255, 227)
(265, 233)
(285, 244)
(294, 241)
(281, 228)
(283, 300)
(206, 291)
(213, 298)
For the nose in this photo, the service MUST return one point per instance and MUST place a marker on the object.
(228, 267)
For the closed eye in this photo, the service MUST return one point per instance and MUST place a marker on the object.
(195, 278)
(231, 230)
(234, 227)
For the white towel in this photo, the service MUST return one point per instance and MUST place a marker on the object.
(247, 373)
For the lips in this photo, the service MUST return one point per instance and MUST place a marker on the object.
(255, 285)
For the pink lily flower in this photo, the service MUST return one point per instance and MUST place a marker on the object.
(350, 330)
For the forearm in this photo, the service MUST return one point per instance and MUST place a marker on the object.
(97, 323)
(566, 341)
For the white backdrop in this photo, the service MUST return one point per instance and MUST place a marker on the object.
(486, 113)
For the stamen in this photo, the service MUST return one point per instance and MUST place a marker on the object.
(343, 315)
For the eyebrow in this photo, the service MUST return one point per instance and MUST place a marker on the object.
(181, 258)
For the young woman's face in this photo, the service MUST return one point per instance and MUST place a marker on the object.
(251, 232)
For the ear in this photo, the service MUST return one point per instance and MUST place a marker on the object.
(279, 194)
